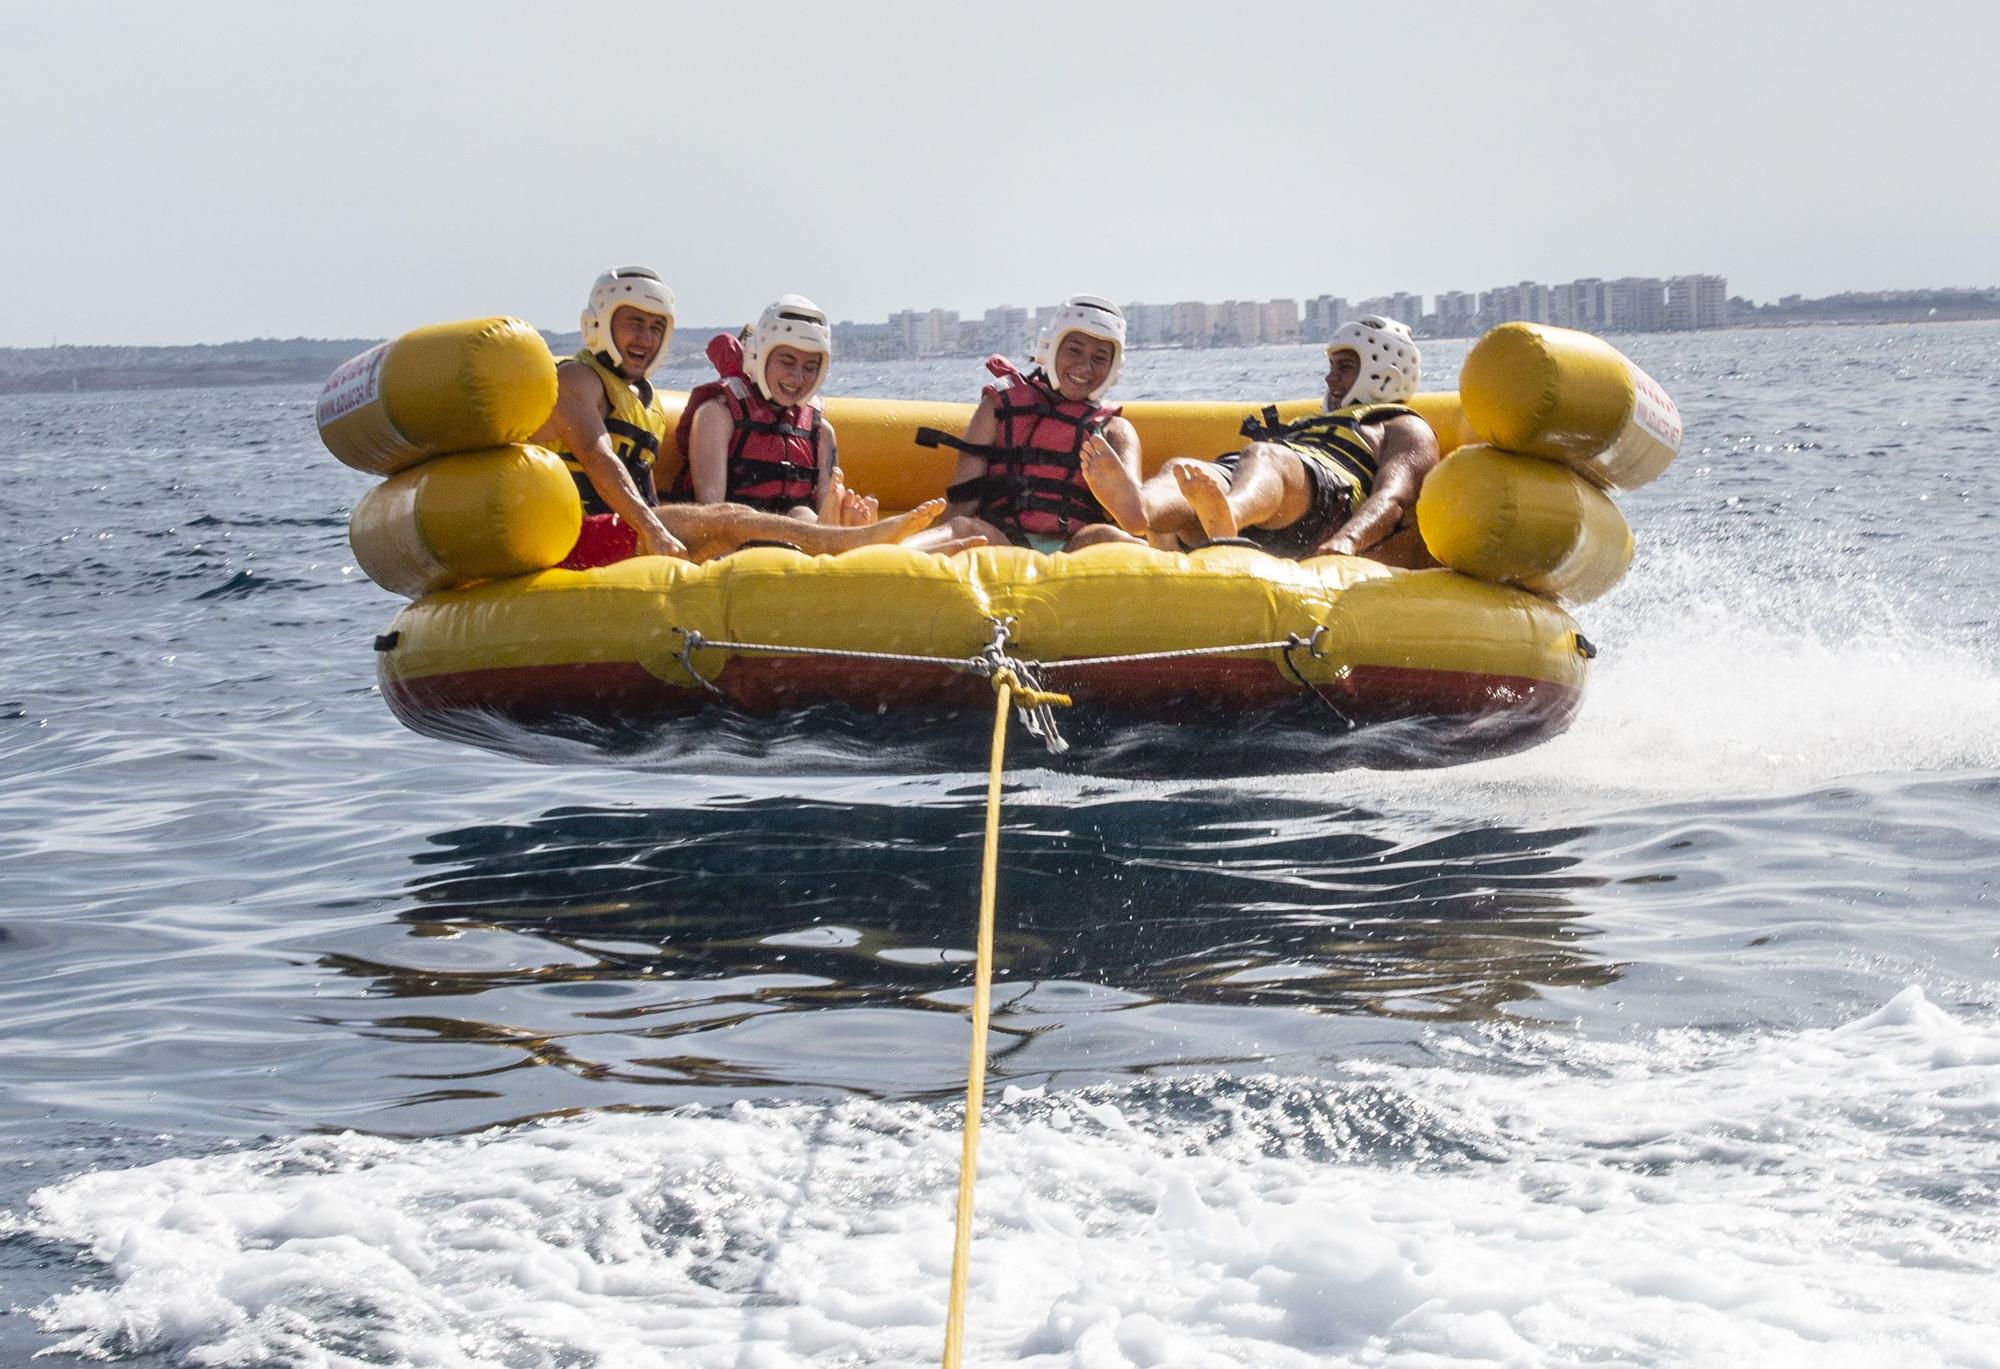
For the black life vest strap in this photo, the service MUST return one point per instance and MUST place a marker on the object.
(760, 469)
(977, 488)
(593, 502)
(641, 440)
(934, 437)
(1264, 426)
(639, 447)
(1017, 494)
(1335, 438)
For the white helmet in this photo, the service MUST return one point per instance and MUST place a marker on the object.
(1388, 361)
(795, 322)
(1093, 317)
(628, 286)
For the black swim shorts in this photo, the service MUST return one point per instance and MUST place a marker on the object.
(1332, 503)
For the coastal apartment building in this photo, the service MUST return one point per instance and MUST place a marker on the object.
(1324, 316)
(1629, 304)
(1402, 306)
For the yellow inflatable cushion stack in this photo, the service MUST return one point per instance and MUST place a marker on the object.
(1569, 397)
(1519, 520)
(1556, 419)
(466, 517)
(442, 412)
(451, 387)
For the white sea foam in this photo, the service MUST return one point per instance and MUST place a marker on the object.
(1722, 679)
(1822, 1198)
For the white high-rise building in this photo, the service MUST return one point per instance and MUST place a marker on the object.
(1456, 313)
(1281, 320)
(1324, 315)
(1006, 330)
(1697, 302)
(1402, 306)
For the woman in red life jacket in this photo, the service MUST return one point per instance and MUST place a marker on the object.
(1024, 467)
(756, 436)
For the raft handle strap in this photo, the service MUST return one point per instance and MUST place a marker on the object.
(1263, 427)
(387, 641)
(1585, 647)
(937, 437)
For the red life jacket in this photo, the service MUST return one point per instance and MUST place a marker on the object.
(1034, 477)
(773, 452)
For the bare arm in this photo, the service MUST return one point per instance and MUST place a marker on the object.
(980, 432)
(708, 462)
(1123, 439)
(578, 423)
(829, 459)
(827, 454)
(1408, 452)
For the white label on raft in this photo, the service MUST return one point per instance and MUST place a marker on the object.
(1654, 410)
(356, 383)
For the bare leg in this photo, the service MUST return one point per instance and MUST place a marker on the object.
(1167, 515)
(961, 533)
(1101, 534)
(1268, 490)
(712, 530)
(1206, 490)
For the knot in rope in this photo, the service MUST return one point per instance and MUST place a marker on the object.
(1025, 694)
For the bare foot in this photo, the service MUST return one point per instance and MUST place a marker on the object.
(1113, 485)
(895, 529)
(1207, 494)
(857, 509)
(951, 546)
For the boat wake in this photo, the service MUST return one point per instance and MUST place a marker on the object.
(1823, 1196)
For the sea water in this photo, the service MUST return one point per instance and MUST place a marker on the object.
(1675, 1041)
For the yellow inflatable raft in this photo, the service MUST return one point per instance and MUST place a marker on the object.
(1224, 659)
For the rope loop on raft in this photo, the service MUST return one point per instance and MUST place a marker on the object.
(994, 662)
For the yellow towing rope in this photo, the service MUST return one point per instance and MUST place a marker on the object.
(1014, 685)
(1005, 685)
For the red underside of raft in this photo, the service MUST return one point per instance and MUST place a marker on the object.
(623, 694)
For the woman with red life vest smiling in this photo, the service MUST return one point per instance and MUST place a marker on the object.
(756, 436)
(1025, 463)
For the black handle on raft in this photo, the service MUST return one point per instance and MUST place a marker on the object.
(937, 437)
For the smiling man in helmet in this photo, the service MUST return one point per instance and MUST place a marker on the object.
(1340, 482)
(610, 427)
(1022, 473)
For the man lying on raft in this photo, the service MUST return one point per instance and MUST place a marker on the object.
(608, 427)
(1343, 482)
(1020, 478)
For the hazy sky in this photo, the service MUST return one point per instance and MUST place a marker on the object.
(206, 171)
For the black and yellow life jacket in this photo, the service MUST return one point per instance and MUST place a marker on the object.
(1333, 438)
(637, 424)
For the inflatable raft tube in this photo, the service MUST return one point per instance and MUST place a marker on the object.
(1380, 667)
(1453, 669)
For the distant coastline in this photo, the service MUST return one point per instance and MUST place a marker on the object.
(297, 361)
